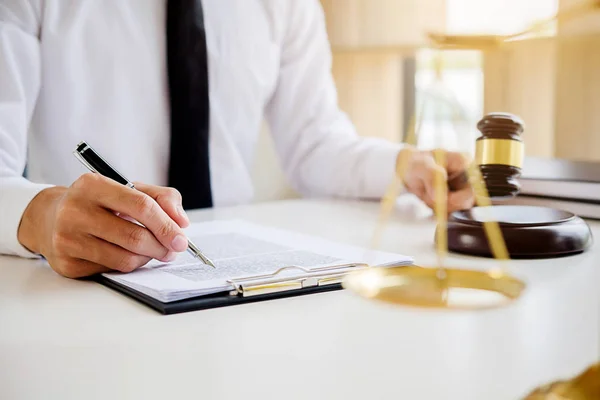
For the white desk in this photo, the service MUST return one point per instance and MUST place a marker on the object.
(65, 339)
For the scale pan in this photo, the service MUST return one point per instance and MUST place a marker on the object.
(435, 288)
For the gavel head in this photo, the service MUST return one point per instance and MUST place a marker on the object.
(499, 153)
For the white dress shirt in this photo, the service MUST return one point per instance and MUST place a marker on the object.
(96, 71)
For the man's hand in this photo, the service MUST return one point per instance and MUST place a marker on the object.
(420, 169)
(84, 229)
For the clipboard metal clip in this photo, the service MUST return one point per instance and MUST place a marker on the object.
(279, 281)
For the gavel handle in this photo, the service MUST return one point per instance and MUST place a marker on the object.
(458, 181)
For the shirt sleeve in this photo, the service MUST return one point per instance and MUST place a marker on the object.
(319, 148)
(19, 86)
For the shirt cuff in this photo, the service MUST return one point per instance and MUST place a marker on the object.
(380, 168)
(17, 193)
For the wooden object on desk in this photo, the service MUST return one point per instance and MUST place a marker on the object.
(500, 153)
(529, 232)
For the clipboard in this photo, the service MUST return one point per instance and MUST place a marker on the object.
(250, 289)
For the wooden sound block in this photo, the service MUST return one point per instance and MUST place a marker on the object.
(529, 232)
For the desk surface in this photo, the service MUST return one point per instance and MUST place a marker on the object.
(65, 339)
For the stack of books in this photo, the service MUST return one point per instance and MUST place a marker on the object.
(572, 186)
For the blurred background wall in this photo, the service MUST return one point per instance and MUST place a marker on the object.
(385, 71)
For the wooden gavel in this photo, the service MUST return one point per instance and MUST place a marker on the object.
(499, 154)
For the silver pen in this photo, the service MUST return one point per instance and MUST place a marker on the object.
(95, 163)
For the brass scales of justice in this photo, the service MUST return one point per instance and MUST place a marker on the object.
(490, 229)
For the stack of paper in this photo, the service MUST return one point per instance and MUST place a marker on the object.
(241, 249)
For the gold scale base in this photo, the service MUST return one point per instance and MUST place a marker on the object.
(435, 288)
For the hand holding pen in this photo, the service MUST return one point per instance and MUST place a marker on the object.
(78, 232)
(95, 163)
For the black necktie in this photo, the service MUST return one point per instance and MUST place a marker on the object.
(188, 88)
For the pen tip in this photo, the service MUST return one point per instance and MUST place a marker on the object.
(205, 260)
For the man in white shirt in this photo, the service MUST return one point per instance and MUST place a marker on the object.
(107, 72)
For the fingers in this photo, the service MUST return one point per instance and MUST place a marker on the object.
(90, 253)
(127, 235)
(461, 200)
(111, 256)
(456, 162)
(94, 226)
(417, 188)
(137, 205)
(169, 199)
(434, 176)
(424, 174)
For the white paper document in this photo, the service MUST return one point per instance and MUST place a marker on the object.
(240, 249)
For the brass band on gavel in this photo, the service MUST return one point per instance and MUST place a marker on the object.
(500, 152)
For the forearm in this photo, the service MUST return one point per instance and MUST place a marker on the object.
(321, 152)
(346, 166)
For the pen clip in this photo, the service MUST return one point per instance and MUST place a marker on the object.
(84, 162)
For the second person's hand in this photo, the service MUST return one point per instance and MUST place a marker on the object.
(420, 169)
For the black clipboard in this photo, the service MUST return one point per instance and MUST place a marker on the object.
(216, 300)
(248, 290)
